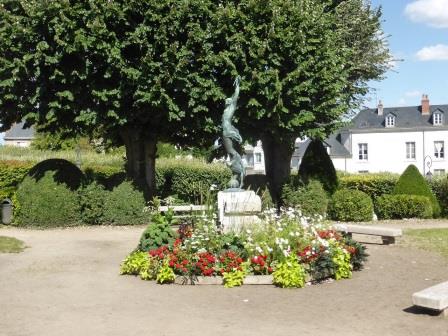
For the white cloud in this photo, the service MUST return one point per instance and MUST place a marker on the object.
(431, 12)
(438, 52)
(412, 94)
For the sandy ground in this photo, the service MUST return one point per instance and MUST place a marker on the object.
(67, 283)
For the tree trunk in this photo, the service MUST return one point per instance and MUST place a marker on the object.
(141, 149)
(277, 161)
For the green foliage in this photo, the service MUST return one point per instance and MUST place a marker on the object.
(351, 205)
(323, 267)
(12, 173)
(439, 186)
(165, 274)
(411, 182)
(125, 205)
(373, 184)
(234, 278)
(158, 232)
(91, 201)
(316, 164)
(341, 260)
(45, 203)
(289, 273)
(266, 199)
(135, 263)
(359, 257)
(403, 206)
(64, 172)
(54, 142)
(311, 199)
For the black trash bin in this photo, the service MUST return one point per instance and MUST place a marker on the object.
(6, 211)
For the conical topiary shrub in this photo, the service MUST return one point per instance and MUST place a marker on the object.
(317, 165)
(411, 182)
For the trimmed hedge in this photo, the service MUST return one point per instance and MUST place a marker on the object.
(439, 186)
(351, 206)
(310, 199)
(45, 203)
(403, 206)
(373, 184)
(411, 182)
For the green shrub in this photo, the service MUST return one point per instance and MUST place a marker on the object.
(439, 186)
(91, 201)
(373, 184)
(317, 165)
(46, 203)
(125, 205)
(134, 263)
(351, 205)
(64, 172)
(311, 199)
(411, 182)
(403, 206)
(158, 232)
(289, 273)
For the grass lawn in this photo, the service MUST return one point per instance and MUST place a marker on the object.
(11, 245)
(435, 240)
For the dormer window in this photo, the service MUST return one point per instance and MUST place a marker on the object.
(437, 119)
(390, 121)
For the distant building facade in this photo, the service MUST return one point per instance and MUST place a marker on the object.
(19, 136)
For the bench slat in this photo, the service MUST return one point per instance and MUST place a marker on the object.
(369, 230)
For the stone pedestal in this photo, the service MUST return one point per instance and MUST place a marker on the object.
(238, 208)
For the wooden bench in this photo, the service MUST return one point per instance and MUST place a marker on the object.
(434, 298)
(388, 235)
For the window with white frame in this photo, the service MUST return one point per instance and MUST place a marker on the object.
(439, 149)
(257, 157)
(390, 121)
(437, 119)
(439, 172)
(410, 150)
(363, 154)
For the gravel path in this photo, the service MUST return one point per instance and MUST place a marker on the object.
(67, 283)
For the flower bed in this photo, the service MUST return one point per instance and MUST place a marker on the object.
(287, 250)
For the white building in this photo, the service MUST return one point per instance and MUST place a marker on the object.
(19, 135)
(388, 140)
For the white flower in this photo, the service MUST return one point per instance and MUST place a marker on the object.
(259, 249)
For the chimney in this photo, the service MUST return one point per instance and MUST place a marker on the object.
(425, 104)
(380, 108)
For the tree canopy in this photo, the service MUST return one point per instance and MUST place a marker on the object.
(142, 71)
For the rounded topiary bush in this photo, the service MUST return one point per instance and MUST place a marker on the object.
(64, 172)
(45, 203)
(316, 164)
(411, 182)
(125, 205)
(351, 206)
(311, 199)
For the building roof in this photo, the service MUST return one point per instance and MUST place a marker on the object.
(405, 117)
(336, 148)
(18, 132)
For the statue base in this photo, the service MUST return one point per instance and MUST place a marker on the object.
(238, 208)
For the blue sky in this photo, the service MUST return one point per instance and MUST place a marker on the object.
(418, 34)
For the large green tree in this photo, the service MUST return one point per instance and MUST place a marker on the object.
(304, 64)
(126, 70)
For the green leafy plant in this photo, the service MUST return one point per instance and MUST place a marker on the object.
(91, 201)
(351, 205)
(403, 206)
(165, 273)
(289, 273)
(135, 263)
(125, 206)
(45, 203)
(411, 182)
(341, 260)
(323, 267)
(311, 199)
(158, 232)
(373, 184)
(358, 254)
(233, 278)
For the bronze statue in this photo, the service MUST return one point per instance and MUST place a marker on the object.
(230, 133)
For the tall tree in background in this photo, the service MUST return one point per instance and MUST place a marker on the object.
(127, 70)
